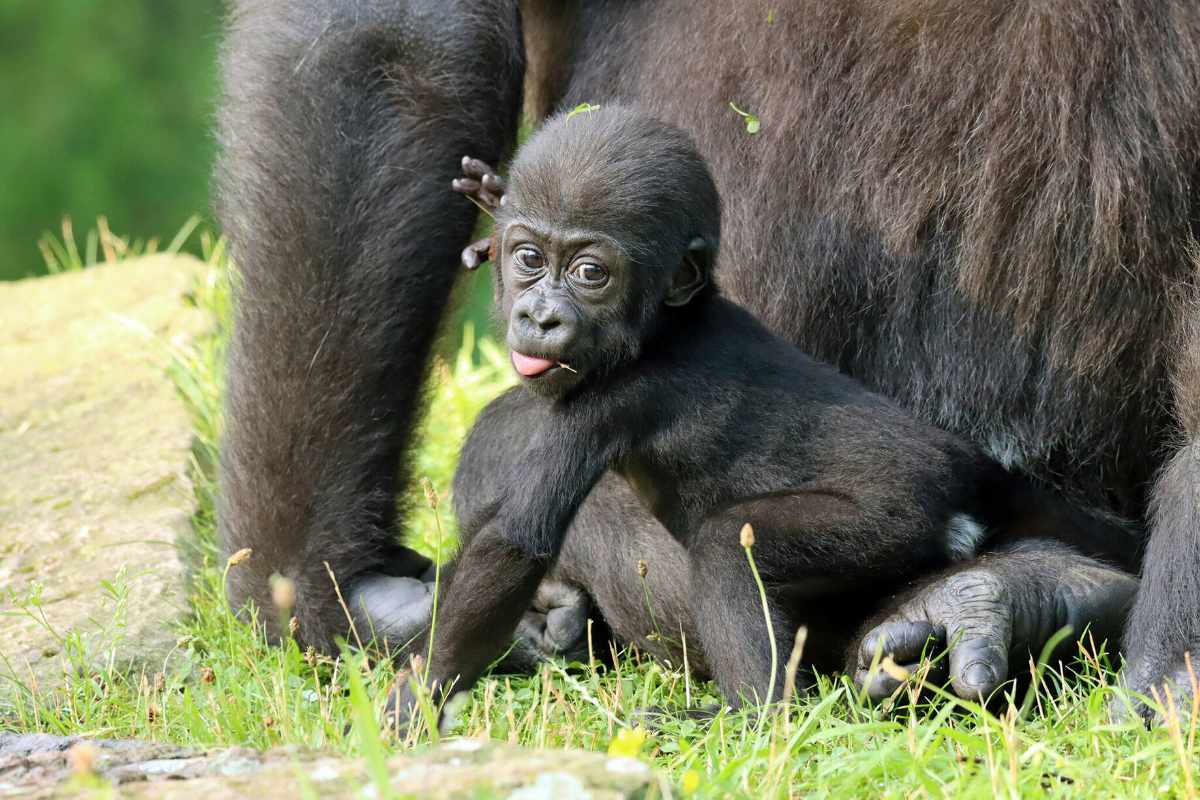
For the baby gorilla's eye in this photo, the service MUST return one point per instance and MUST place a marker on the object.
(590, 274)
(529, 259)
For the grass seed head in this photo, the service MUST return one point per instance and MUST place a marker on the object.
(283, 593)
(747, 535)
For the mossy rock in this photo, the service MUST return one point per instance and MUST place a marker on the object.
(95, 446)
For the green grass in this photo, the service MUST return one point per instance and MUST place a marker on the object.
(223, 685)
(101, 245)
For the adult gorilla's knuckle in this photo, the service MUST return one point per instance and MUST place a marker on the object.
(974, 586)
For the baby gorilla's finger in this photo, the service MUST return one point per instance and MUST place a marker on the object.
(470, 258)
(489, 198)
(465, 186)
(476, 253)
(493, 183)
(474, 168)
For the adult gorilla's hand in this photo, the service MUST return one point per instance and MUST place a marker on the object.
(994, 612)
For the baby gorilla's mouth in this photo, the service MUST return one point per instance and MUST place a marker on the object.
(532, 366)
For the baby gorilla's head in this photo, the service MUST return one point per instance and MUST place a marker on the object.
(611, 216)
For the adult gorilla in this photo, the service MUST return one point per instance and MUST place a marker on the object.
(982, 208)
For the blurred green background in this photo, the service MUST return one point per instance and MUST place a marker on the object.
(108, 108)
(108, 111)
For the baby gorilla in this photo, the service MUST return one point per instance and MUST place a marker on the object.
(631, 361)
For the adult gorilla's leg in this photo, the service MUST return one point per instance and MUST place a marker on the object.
(1165, 624)
(342, 126)
(993, 613)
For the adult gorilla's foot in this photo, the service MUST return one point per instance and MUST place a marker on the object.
(995, 611)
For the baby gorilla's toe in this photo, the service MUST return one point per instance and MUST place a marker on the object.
(556, 627)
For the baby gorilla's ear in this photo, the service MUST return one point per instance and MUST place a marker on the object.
(692, 274)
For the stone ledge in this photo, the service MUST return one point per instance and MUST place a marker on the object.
(40, 766)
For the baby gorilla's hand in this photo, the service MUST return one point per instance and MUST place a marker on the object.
(403, 711)
(482, 185)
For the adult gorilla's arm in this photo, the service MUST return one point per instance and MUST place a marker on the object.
(993, 613)
(342, 126)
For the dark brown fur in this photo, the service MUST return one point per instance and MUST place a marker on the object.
(333, 116)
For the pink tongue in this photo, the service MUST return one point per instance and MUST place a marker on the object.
(530, 365)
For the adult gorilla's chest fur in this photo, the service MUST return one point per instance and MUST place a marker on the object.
(1021, 300)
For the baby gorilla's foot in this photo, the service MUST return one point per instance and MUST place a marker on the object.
(555, 627)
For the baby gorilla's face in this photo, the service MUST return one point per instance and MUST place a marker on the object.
(570, 300)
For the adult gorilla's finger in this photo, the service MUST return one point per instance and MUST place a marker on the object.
(979, 663)
(978, 618)
(904, 641)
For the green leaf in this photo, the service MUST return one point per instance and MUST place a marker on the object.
(752, 123)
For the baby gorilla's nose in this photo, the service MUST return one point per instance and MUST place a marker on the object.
(542, 326)
(545, 316)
